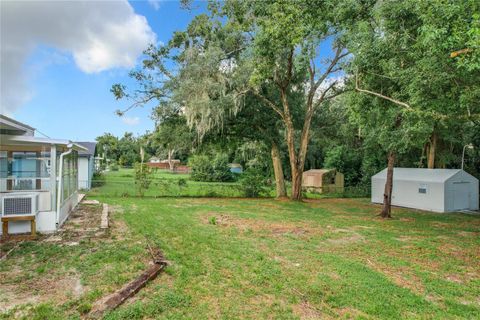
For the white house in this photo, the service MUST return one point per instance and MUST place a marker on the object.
(38, 178)
(438, 190)
(86, 165)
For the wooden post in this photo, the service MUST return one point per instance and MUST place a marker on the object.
(33, 228)
(5, 221)
(4, 229)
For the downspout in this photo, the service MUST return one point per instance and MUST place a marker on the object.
(60, 182)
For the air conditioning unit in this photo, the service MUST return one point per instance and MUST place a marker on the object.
(20, 204)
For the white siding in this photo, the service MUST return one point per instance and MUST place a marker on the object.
(461, 192)
(446, 190)
(406, 194)
(83, 174)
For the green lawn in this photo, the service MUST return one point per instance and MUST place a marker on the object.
(263, 259)
(165, 184)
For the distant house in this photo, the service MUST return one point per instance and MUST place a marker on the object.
(154, 160)
(235, 168)
(86, 165)
(38, 178)
(323, 181)
(439, 190)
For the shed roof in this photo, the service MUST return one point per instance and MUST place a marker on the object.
(90, 146)
(419, 174)
(318, 171)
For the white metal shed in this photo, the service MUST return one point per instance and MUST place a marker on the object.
(439, 190)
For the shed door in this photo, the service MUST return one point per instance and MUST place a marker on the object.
(461, 195)
(310, 181)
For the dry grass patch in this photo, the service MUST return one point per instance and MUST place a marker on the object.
(403, 276)
(305, 311)
(262, 226)
(58, 288)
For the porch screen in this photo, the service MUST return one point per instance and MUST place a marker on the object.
(69, 175)
(24, 170)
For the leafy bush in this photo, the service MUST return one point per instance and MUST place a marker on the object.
(221, 170)
(210, 170)
(98, 180)
(201, 167)
(143, 177)
(347, 161)
(113, 166)
(253, 183)
(182, 182)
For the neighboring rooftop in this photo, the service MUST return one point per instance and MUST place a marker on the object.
(13, 127)
(90, 146)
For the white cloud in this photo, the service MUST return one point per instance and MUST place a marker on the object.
(99, 35)
(338, 81)
(131, 121)
(155, 4)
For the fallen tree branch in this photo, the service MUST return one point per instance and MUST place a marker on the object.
(114, 300)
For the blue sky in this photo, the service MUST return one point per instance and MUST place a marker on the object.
(67, 102)
(60, 59)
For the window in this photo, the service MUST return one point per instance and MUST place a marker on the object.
(422, 189)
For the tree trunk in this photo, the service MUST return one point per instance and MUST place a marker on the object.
(432, 150)
(297, 159)
(387, 195)
(424, 151)
(278, 171)
(170, 160)
(296, 184)
(292, 154)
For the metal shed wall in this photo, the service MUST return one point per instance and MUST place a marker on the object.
(461, 192)
(441, 186)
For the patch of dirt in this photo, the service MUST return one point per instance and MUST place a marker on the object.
(401, 276)
(256, 225)
(407, 238)
(469, 234)
(454, 278)
(441, 225)
(467, 256)
(35, 290)
(348, 236)
(83, 223)
(118, 227)
(304, 310)
(352, 313)
(407, 219)
(353, 237)
(474, 301)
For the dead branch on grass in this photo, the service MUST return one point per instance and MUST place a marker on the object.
(114, 300)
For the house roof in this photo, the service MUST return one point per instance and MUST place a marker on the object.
(8, 123)
(31, 140)
(90, 146)
(419, 174)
